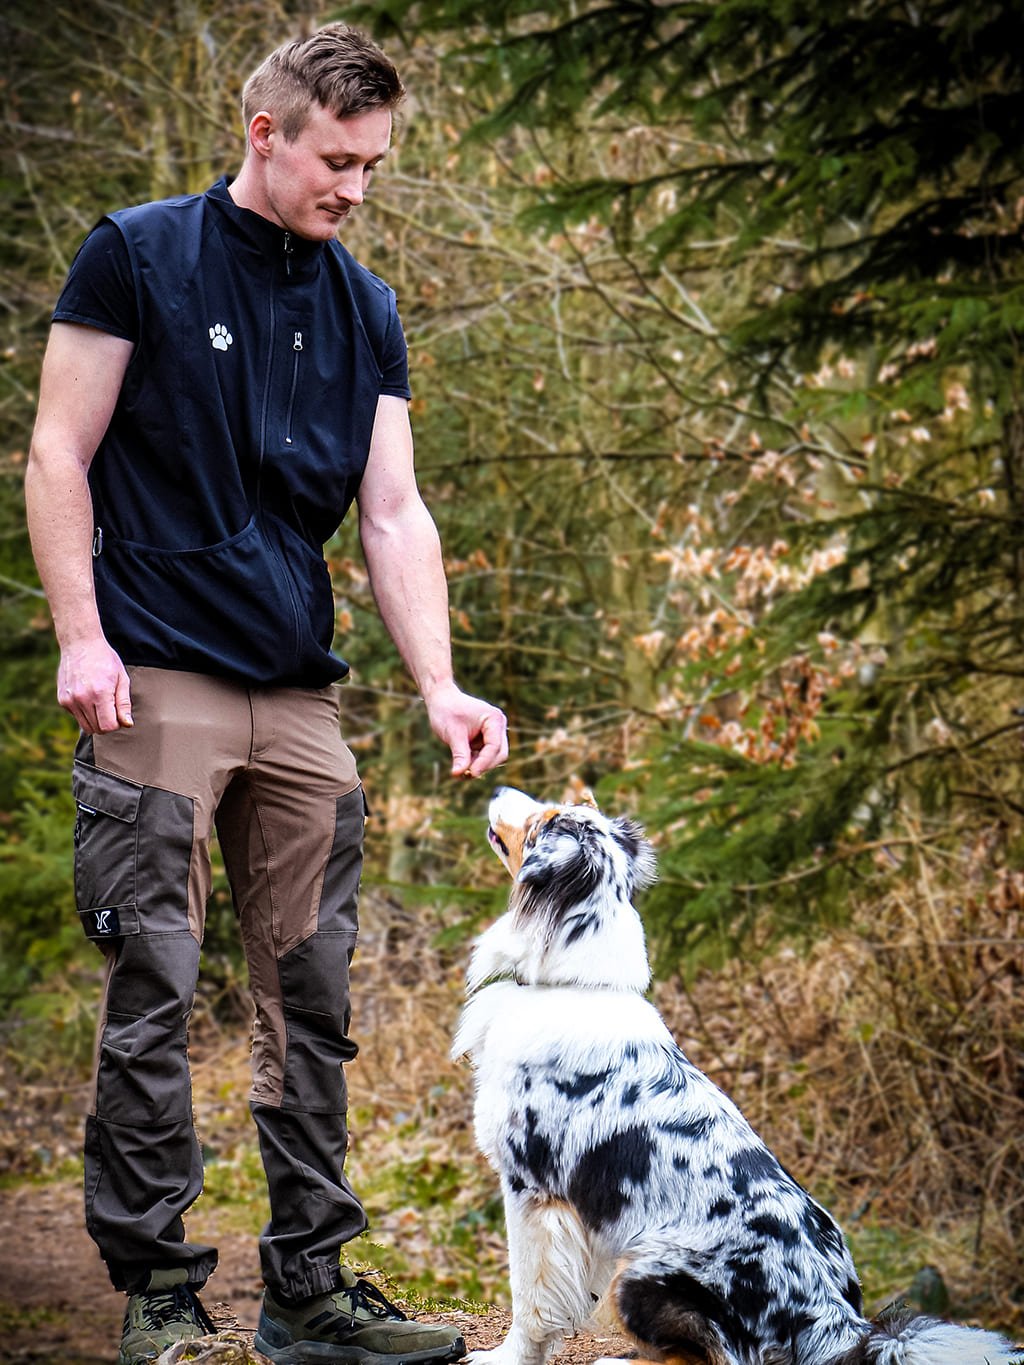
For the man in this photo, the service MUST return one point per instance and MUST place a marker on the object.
(222, 379)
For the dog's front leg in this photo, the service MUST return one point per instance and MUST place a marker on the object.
(549, 1270)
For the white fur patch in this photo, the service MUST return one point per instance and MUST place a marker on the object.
(926, 1341)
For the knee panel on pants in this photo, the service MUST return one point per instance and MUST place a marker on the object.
(304, 1021)
(142, 1073)
(315, 991)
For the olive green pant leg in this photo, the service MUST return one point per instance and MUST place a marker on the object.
(145, 801)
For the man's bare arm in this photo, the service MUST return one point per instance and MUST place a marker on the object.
(81, 377)
(403, 557)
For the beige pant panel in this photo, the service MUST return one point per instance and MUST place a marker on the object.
(198, 736)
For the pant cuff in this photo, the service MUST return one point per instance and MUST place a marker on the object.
(319, 1279)
(135, 1279)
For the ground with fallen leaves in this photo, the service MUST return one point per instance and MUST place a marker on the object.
(57, 1306)
(903, 1115)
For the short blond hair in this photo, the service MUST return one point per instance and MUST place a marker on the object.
(337, 67)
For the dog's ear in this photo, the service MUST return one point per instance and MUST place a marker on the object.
(551, 844)
(558, 870)
(630, 838)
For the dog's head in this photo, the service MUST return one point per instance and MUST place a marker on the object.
(570, 847)
(575, 872)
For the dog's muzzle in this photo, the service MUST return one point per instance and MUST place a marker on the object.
(496, 841)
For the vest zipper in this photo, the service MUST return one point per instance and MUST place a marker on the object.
(297, 350)
(265, 406)
(296, 628)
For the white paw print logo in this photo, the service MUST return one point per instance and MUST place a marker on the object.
(220, 337)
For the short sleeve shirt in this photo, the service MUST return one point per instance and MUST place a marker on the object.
(99, 292)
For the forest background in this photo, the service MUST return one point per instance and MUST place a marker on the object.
(715, 317)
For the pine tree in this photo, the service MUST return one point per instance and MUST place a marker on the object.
(863, 164)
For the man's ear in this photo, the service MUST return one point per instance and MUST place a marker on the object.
(262, 129)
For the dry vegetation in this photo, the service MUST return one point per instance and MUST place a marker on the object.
(886, 1069)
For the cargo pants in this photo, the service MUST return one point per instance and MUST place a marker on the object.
(268, 768)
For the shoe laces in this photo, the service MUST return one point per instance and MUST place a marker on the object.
(367, 1296)
(164, 1307)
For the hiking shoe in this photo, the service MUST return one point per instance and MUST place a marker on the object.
(354, 1324)
(168, 1311)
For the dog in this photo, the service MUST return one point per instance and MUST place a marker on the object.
(626, 1173)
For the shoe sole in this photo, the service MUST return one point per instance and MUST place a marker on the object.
(326, 1351)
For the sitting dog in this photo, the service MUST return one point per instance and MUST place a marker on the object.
(624, 1169)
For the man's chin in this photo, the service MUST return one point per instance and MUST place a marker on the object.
(321, 228)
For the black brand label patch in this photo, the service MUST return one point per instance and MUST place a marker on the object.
(103, 923)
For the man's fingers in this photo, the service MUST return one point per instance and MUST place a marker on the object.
(85, 722)
(123, 701)
(474, 731)
(99, 714)
(460, 757)
(491, 743)
(94, 688)
(106, 714)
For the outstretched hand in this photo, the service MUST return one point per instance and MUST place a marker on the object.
(474, 730)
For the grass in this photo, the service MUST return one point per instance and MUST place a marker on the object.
(16, 1315)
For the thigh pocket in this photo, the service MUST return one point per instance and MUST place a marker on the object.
(106, 851)
(133, 849)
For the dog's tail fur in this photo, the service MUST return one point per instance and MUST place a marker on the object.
(928, 1341)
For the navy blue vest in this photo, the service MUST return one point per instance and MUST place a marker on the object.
(237, 443)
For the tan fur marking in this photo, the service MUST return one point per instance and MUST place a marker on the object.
(512, 837)
(518, 838)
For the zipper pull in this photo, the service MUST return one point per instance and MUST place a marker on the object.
(97, 542)
(297, 343)
(288, 249)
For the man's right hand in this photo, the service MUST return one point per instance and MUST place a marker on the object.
(92, 686)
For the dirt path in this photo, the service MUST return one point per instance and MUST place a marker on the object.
(57, 1305)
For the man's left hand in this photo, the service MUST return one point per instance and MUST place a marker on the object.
(474, 730)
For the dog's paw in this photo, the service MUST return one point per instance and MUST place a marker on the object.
(508, 1353)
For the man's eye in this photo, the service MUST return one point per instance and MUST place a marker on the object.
(338, 167)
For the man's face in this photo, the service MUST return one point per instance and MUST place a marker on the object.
(312, 184)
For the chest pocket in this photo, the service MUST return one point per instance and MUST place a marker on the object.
(289, 423)
(292, 383)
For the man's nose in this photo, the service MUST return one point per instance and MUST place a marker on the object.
(351, 187)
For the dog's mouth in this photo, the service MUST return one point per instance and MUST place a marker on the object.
(496, 841)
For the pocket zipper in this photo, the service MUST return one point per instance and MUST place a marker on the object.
(297, 348)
